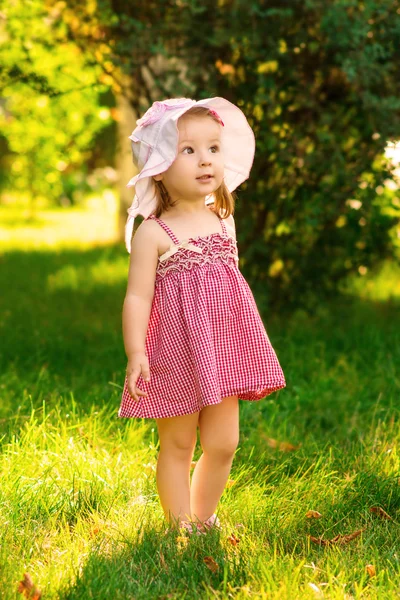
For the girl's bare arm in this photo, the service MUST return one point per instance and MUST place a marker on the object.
(140, 289)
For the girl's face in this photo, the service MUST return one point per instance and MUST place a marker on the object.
(198, 169)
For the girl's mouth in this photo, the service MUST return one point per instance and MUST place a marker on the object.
(204, 178)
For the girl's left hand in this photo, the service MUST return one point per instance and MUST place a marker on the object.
(138, 364)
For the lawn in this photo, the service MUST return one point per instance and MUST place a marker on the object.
(79, 510)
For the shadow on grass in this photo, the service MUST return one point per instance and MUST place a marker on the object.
(156, 566)
(61, 322)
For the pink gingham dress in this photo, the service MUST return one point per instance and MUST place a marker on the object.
(205, 338)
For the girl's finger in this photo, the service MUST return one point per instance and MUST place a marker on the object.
(131, 383)
(140, 392)
(135, 395)
(145, 374)
(135, 392)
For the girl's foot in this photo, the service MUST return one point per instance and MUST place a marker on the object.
(211, 523)
(189, 526)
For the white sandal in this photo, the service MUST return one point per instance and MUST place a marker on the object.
(189, 526)
(192, 527)
(211, 523)
(200, 528)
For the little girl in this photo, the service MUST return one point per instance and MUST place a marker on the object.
(193, 336)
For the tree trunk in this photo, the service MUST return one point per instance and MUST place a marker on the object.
(125, 167)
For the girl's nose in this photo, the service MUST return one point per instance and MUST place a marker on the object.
(205, 160)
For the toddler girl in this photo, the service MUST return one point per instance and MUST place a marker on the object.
(193, 336)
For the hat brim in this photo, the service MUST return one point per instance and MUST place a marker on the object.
(238, 146)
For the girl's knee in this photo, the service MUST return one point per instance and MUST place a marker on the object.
(178, 435)
(221, 448)
(182, 445)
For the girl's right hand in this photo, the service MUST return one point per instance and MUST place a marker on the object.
(138, 364)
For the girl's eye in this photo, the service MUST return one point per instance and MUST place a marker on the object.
(187, 148)
(214, 148)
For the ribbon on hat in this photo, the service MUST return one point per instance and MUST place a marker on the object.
(216, 115)
(133, 212)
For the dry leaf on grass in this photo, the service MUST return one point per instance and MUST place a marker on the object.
(211, 564)
(95, 531)
(319, 541)
(380, 512)
(28, 589)
(271, 442)
(193, 464)
(313, 514)
(288, 447)
(283, 446)
(340, 540)
(99, 526)
(230, 483)
(371, 570)
(233, 539)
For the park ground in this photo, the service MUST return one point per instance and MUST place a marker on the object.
(312, 508)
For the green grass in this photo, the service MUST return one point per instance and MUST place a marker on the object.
(78, 502)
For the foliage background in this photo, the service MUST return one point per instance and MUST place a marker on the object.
(318, 82)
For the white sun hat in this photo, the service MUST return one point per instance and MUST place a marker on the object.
(155, 147)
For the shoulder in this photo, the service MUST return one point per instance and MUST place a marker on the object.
(148, 230)
(146, 236)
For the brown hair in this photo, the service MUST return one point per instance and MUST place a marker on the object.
(224, 201)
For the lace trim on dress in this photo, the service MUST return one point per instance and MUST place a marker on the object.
(184, 256)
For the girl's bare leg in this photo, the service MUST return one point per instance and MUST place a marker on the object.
(177, 442)
(219, 437)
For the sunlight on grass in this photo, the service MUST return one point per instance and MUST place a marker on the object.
(60, 227)
(79, 496)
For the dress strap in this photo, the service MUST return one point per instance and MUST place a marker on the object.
(166, 229)
(223, 225)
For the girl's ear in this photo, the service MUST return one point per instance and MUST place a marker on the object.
(158, 177)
